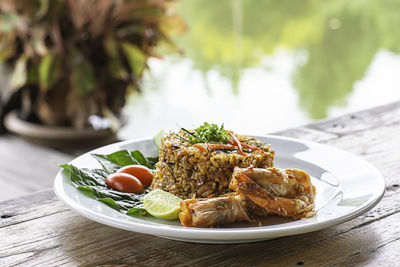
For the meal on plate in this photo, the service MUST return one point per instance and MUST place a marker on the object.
(200, 163)
(206, 177)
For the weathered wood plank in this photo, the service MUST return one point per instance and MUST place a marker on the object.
(308, 134)
(11, 190)
(23, 169)
(360, 121)
(58, 236)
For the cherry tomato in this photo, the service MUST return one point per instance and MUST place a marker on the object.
(124, 182)
(141, 172)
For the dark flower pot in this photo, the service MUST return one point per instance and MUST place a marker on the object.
(57, 137)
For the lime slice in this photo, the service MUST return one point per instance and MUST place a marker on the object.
(157, 138)
(162, 204)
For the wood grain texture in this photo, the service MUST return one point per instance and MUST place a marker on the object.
(38, 230)
(361, 121)
(23, 168)
(58, 236)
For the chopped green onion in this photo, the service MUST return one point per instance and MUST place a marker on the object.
(208, 133)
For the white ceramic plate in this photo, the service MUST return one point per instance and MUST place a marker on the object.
(347, 186)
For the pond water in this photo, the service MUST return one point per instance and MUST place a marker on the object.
(264, 66)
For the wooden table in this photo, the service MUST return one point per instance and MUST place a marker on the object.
(38, 230)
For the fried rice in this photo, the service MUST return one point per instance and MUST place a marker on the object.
(187, 171)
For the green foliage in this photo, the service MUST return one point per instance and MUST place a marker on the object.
(334, 66)
(48, 70)
(19, 75)
(84, 52)
(208, 133)
(232, 35)
(83, 78)
(136, 59)
(92, 183)
(116, 160)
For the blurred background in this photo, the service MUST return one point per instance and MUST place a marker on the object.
(256, 66)
(263, 66)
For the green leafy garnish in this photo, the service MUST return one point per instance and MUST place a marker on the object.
(208, 133)
(92, 183)
(122, 158)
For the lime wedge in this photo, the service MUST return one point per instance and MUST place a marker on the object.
(157, 138)
(162, 204)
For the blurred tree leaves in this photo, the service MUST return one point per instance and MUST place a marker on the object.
(334, 64)
(48, 70)
(136, 58)
(19, 75)
(339, 38)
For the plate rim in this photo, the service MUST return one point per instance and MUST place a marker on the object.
(214, 235)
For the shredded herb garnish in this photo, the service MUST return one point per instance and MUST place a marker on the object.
(183, 138)
(208, 133)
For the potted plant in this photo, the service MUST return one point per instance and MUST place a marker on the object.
(70, 60)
